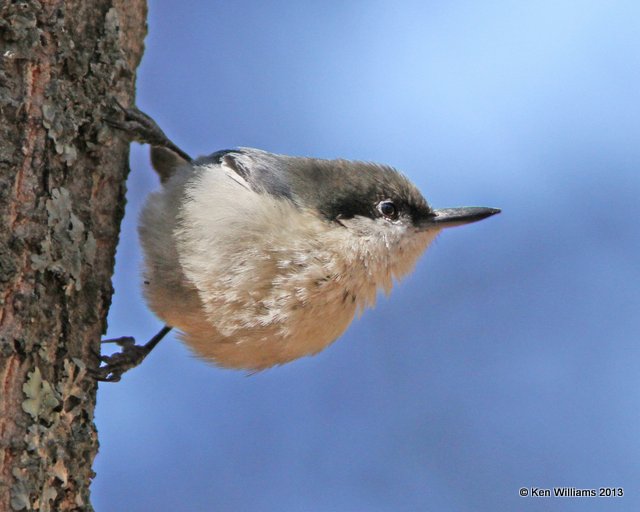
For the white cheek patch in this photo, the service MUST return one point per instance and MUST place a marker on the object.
(384, 251)
(409, 250)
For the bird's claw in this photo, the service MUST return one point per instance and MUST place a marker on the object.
(142, 128)
(115, 365)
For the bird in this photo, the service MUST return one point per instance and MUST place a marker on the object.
(258, 259)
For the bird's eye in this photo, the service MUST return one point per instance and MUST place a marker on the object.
(388, 209)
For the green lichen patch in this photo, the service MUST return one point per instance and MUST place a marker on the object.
(41, 399)
(62, 129)
(58, 411)
(68, 245)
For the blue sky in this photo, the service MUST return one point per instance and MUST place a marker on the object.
(508, 359)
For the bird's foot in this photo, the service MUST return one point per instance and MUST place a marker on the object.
(115, 365)
(142, 128)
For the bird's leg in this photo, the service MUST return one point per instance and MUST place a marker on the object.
(142, 128)
(130, 357)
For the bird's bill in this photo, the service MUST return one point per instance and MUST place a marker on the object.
(450, 217)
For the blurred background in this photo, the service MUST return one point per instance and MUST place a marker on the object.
(509, 359)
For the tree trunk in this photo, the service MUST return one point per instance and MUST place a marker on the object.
(62, 195)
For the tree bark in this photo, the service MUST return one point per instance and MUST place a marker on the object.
(62, 193)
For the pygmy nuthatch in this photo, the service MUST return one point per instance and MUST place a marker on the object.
(259, 259)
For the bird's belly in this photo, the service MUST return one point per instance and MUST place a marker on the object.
(305, 331)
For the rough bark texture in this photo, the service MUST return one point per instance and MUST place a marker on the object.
(62, 188)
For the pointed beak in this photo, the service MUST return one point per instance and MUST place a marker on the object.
(450, 217)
